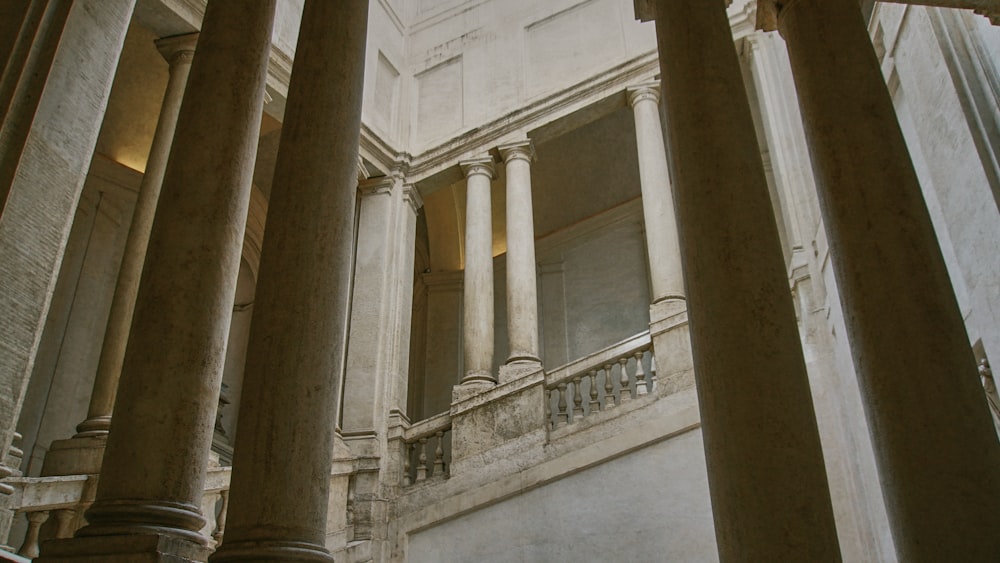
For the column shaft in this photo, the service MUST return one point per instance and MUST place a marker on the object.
(770, 498)
(172, 371)
(936, 451)
(522, 287)
(179, 52)
(478, 284)
(666, 275)
(42, 176)
(278, 508)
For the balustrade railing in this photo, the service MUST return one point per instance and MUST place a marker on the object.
(54, 507)
(600, 381)
(427, 450)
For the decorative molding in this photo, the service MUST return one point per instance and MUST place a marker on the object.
(377, 186)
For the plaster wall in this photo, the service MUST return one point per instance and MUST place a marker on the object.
(652, 504)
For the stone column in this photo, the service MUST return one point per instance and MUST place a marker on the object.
(770, 499)
(937, 455)
(522, 287)
(153, 473)
(82, 454)
(668, 311)
(278, 508)
(478, 284)
(43, 164)
(666, 276)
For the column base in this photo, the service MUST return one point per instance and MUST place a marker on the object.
(470, 388)
(668, 328)
(271, 551)
(518, 368)
(144, 548)
(79, 455)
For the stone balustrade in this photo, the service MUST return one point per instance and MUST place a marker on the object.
(54, 507)
(600, 381)
(427, 450)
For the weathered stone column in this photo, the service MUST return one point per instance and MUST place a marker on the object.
(478, 284)
(936, 451)
(770, 498)
(666, 275)
(522, 287)
(154, 466)
(668, 311)
(82, 454)
(45, 150)
(278, 508)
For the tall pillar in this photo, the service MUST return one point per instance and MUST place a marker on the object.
(152, 478)
(937, 455)
(522, 288)
(375, 378)
(668, 311)
(42, 176)
(770, 499)
(82, 454)
(478, 284)
(278, 507)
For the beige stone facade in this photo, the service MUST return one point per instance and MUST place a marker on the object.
(499, 280)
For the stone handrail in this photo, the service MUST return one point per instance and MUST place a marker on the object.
(435, 432)
(601, 380)
(64, 500)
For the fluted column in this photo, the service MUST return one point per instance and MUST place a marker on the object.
(178, 51)
(278, 510)
(154, 465)
(770, 499)
(937, 454)
(478, 284)
(522, 288)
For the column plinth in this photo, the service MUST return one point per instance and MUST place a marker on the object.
(291, 386)
(935, 446)
(522, 288)
(478, 282)
(153, 472)
(770, 499)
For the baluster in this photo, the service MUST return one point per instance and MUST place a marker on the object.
(29, 548)
(407, 448)
(562, 417)
(652, 371)
(577, 399)
(641, 388)
(64, 522)
(422, 461)
(595, 405)
(439, 455)
(550, 395)
(609, 388)
(220, 520)
(626, 383)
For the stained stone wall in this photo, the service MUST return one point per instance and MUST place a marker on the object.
(651, 505)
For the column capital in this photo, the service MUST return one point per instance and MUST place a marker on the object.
(524, 150)
(178, 49)
(476, 166)
(647, 91)
(376, 186)
(412, 196)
